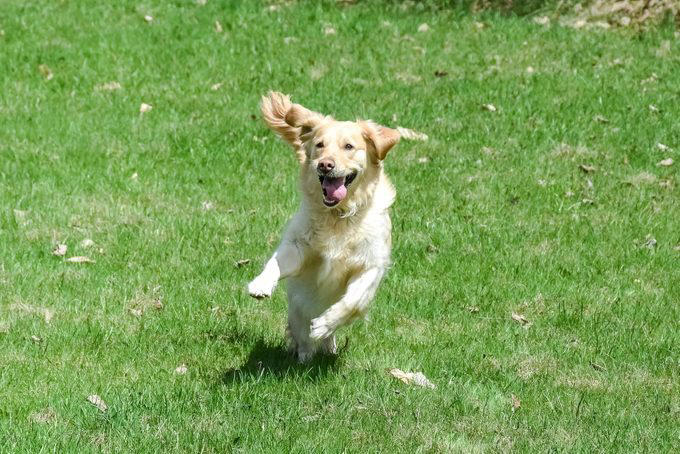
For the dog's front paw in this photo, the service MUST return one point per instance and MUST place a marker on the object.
(261, 287)
(321, 328)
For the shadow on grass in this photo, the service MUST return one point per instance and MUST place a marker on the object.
(266, 361)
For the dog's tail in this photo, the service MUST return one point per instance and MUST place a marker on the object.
(274, 107)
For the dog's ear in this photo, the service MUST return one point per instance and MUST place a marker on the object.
(381, 137)
(303, 118)
(274, 107)
(288, 120)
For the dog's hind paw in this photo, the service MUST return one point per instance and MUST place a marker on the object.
(260, 288)
(329, 346)
(321, 328)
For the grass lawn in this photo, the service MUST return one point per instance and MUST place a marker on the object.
(554, 207)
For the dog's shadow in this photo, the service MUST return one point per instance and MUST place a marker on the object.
(266, 361)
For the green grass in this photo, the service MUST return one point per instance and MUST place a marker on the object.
(500, 219)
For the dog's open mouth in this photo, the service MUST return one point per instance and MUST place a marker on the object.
(335, 188)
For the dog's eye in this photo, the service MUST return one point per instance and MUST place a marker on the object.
(349, 146)
(319, 145)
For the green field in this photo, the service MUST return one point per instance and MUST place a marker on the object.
(556, 207)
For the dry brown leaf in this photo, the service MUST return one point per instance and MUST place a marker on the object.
(408, 78)
(665, 162)
(515, 402)
(136, 312)
(97, 402)
(144, 108)
(181, 369)
(580, 23)
(597, 367)
(651, 79)
(318, 71)
(641, 178)
(242, 262)
(59, 250)
(587, 168)
(80, 259)
(43, 417)
(45, 71)
(650, 242)
(666, 184)
(412, 378)
(109, 86)
(519, 318)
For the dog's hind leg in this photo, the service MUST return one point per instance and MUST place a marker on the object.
(360, 291)
(297, 332)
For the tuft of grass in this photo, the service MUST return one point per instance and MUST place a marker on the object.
(552, 207)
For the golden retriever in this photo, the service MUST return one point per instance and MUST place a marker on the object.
(336, 248)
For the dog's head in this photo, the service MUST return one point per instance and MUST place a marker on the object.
(340, 159)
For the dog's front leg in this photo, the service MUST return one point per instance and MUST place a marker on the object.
(360, 291)
(286, 260)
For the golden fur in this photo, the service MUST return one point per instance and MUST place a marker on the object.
(333, 256)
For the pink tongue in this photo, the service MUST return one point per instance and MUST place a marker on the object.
(334, 189)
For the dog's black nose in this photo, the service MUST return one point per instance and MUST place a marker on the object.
(326, 165)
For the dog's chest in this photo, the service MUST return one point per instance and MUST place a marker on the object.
(352, 246)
